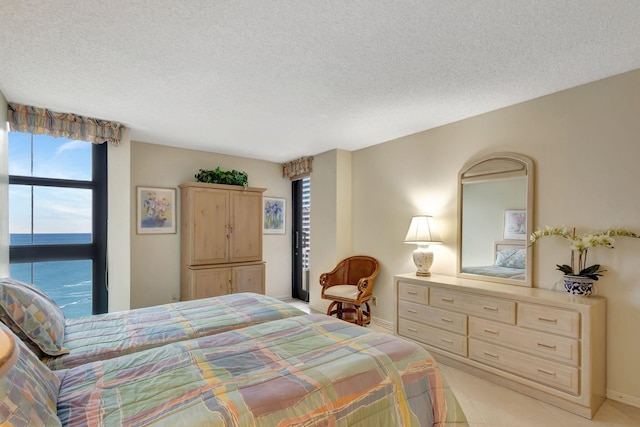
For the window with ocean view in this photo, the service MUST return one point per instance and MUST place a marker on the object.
(68, 283)
(59, 215)
(57, 219)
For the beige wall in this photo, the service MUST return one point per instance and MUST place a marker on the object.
(155, 259)
(331, 218)
(119, 225)
(585, 143)
(4, 190)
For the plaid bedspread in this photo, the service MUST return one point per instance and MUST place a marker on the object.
(303, 371)
(110, 335)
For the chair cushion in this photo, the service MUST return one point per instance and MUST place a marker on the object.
(342, 291)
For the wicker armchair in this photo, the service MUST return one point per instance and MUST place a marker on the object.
(349, 286)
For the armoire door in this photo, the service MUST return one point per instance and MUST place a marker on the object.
(245, 242)
(249, 278)
(210, 219)
(211, 282)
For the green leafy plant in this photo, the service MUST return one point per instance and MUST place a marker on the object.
(592, 272)
(218, 176)
(580, 245)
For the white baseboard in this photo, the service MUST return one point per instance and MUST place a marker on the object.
(317, 310)
(623, 398)
(385, 324)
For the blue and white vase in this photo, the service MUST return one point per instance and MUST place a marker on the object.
(578, 285)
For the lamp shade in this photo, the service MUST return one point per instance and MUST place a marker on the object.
(422, 231)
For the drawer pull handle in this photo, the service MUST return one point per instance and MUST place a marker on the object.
(412, 292)
(444, 319)
(492, 332)
(446, 340)
(495, 356)
(489, 308)
(411, 311)
(544, 371)
(412, 330)
(447, 300)
(550, 347)
(544, 319)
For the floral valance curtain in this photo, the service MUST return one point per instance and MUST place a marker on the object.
(28, 119)
(298, 168)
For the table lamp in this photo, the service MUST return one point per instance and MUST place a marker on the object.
(422, 232)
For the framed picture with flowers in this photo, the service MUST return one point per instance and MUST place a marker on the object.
(156, 210)
(515, 224)
(273, 215)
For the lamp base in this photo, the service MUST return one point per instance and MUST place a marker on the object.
(423, 258)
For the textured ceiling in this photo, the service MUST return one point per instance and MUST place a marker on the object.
(280, 79)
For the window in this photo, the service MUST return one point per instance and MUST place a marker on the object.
(57, 219)
(301, 200)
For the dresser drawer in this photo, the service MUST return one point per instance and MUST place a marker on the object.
(454, 322)
(409, 292)
(555, 375)
(433, 336)
(549, 319)
(486, 307)
(541, 344)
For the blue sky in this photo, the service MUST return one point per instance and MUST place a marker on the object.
(56, 210)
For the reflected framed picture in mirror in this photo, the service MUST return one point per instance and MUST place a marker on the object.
(515, 224)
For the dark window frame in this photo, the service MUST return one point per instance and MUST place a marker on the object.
(298, 279)
(95, 251)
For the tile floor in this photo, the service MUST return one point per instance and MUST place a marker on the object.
(300, 305)
(489, 405)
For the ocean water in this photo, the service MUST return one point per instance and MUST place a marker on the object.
(68, 283)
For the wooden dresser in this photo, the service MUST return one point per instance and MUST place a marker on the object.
(221, 240)
(547, 344)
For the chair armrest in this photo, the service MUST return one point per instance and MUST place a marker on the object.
(324, 279)
(365, 285)
(327, 280)
(331, 278)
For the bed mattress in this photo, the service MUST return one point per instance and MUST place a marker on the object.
(110, 335)
(301, 371)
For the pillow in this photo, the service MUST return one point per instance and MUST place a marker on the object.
(33, 317)
(512, 258)
(29, 391)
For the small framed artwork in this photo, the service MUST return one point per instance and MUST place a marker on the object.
(515, 224)
(156, 212)
(273, 215)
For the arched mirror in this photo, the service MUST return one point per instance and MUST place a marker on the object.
(495, 217)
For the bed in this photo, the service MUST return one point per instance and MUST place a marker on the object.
(510, 262)
(63, 343)
(301, 371)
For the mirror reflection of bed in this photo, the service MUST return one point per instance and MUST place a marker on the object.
(509, 262)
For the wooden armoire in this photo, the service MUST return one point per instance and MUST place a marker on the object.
(221, 240)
